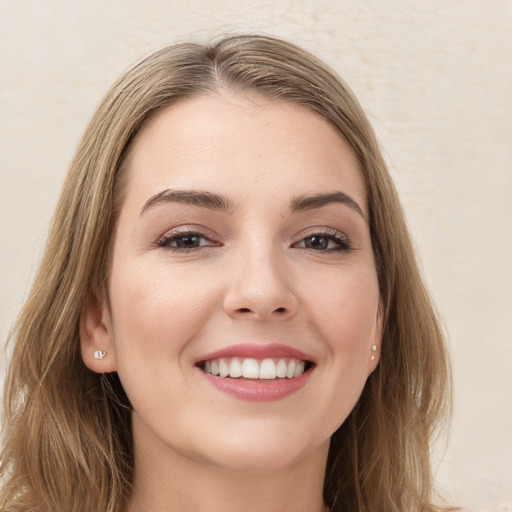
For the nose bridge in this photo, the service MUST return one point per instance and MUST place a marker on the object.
(260, 284)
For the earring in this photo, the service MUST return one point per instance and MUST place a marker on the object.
(374, 349)
(99, 354)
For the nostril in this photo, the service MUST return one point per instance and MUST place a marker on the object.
(280, 310)
(244, 310)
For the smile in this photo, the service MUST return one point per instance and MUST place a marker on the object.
(250, 368)
(257, 372)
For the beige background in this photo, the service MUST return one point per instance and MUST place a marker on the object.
(436, 80)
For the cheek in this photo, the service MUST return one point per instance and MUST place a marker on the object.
(345, 318)
(157, 311)
(345, 309)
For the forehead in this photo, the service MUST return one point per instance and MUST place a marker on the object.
(222, 142)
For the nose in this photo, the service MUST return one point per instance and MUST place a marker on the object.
(261, 289)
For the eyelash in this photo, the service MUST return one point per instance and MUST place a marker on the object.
(343, 244)
(166, 241)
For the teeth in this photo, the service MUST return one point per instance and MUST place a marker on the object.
(299, 369)
(290, 370)
(266, 369)
(281, 368)
(223, 368)
(235, 368)
(250, 369)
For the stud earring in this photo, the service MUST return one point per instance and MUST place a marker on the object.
(99, 354)
(374, 349)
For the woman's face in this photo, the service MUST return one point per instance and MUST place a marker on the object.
(242, 247)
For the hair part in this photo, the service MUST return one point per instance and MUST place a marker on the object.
(67, 430)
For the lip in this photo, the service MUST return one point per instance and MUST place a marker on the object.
(258, 351)
(257, 390)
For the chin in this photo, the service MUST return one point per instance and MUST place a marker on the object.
(265, 452)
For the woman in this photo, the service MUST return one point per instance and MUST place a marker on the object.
(228, 315)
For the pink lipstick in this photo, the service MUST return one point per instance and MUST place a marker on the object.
(257, 372)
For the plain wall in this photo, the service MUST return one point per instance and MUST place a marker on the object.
(435, 78)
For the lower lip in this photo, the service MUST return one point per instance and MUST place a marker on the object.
(258, 390)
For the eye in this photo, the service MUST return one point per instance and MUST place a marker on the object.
(185, 241)
(325, 242)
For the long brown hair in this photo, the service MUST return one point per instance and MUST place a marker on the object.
(67, 430)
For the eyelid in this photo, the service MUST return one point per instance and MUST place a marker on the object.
(343, 240)
(182, 231)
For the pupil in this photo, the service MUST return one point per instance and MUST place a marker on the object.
(316, 242)
(186, 242)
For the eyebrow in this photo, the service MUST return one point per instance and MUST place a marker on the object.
(194, 197)
(221, 203)
(318, 200)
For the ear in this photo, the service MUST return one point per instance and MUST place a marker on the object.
(376, 346)
(96, 334)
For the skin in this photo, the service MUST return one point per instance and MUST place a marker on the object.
(256, 277)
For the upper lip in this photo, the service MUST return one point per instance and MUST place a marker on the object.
(257, 351)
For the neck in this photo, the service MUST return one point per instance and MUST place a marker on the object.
(168, 481)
